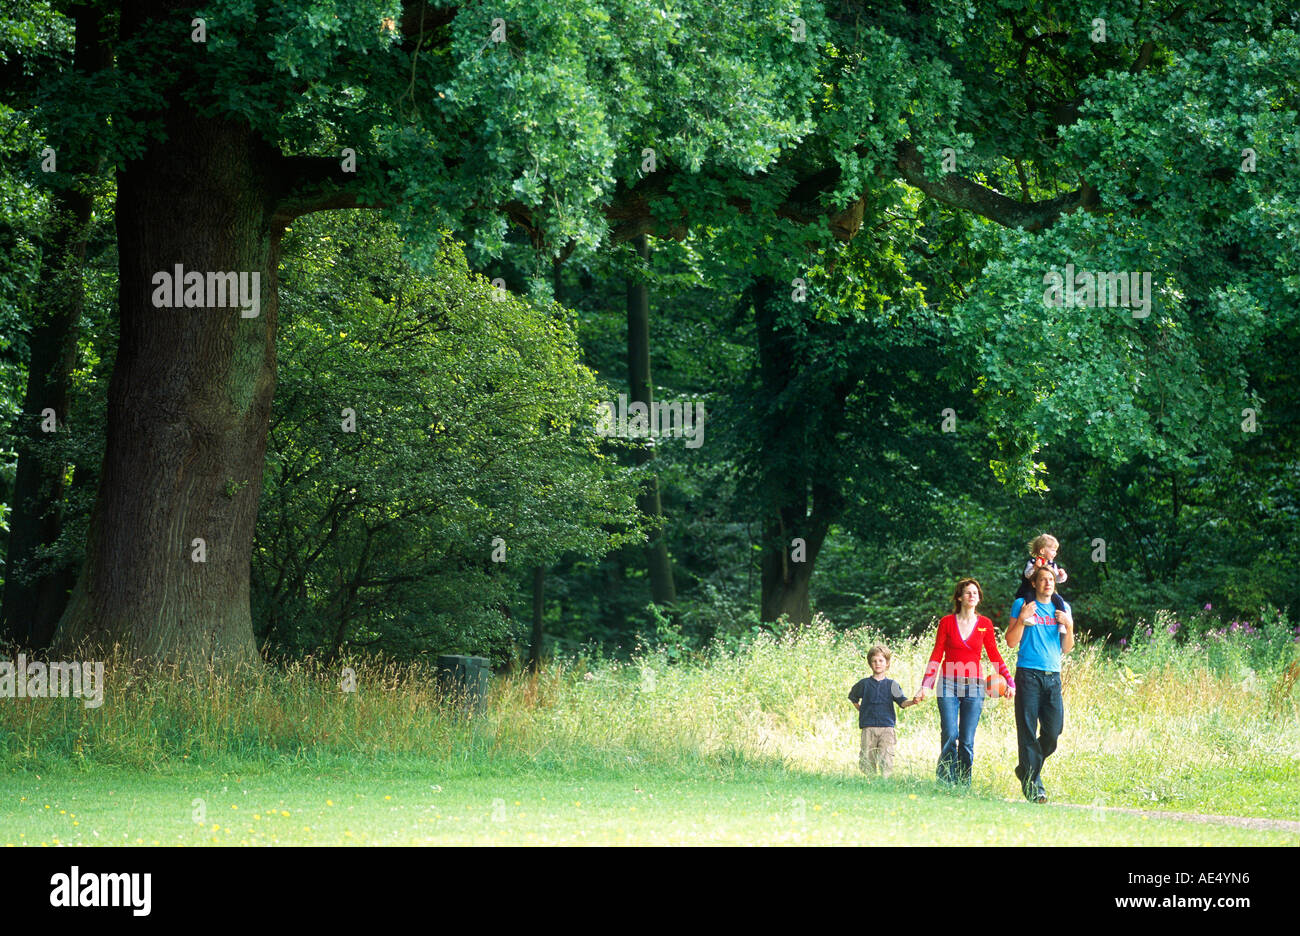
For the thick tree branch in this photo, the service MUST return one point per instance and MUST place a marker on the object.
(310, 184)
(421, 22)
(971, 196)
(630, 215)
(317, 183)
(1145, 54)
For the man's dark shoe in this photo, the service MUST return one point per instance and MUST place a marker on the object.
(1024, 787)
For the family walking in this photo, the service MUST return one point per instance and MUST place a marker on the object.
(1040, 625)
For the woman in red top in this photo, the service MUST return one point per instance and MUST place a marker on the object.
(962, 637)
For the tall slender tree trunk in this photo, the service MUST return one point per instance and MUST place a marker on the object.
(539, 609)
(188, 405)
(663, 590)
(799, 506)
(539, 572)
(35, 593)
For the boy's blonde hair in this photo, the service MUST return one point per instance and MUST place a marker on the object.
(880, 650)
(1042, 539)
(1041, 570)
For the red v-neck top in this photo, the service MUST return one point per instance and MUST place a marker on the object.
(962, 657)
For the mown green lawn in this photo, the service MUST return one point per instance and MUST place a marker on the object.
(410, 805)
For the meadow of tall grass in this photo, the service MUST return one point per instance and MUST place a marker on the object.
(1179, 718)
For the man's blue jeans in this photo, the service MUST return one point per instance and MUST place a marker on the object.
(960, 702)
(1040, 715)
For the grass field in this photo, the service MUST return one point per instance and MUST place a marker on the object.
(755, 745)
(413, 805)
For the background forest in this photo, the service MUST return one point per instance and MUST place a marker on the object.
(388, 547)
(886, 411)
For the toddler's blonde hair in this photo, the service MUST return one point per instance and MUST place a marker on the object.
(1042, 539)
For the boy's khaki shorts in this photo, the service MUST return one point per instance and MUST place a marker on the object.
(877, 751)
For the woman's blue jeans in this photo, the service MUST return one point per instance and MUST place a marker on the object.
(960, 702)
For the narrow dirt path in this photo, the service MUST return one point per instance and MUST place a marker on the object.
(1241, 822)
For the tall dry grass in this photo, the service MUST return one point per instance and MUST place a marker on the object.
(772, 700)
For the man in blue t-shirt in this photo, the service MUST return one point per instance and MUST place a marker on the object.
(1042, 633)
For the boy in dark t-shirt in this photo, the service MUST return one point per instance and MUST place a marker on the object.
(874, 698)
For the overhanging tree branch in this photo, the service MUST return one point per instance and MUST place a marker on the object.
(971, 196)
(310, 183)
(318, 183)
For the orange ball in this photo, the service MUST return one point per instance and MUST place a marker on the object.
(995, 685)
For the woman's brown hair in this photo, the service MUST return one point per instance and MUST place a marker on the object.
(961, 587)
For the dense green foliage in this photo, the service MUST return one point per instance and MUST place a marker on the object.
(431, 442)
(1170, 436)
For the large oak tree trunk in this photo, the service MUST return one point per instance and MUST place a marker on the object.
(188, 406)
(785, 589)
